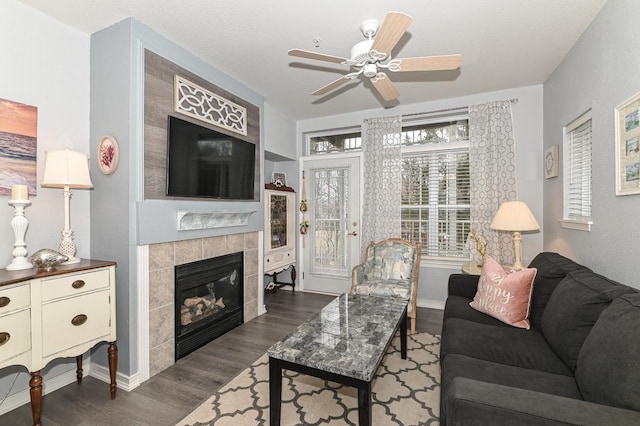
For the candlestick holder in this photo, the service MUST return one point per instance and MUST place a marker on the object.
(19, 223)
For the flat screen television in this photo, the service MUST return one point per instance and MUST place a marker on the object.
(204, 163)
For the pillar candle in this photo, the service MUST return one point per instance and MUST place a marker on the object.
(19, 193)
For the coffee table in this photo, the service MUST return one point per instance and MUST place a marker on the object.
(343, 343)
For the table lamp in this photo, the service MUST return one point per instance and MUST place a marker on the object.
(66, 169)
(515, 216)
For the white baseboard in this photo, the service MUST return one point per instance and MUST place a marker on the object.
(126, 383)
(430, 303)
(49, 385)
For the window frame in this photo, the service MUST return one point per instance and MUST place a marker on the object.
(416, 150)
(569, 221)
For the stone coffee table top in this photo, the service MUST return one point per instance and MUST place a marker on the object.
(349, 336)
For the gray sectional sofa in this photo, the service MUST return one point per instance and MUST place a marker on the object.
(579, 364)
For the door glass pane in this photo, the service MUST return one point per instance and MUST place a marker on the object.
(330, 221)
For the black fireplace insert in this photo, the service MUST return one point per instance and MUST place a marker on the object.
(208, 299)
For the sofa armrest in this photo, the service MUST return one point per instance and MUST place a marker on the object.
(463, 285)
(471, 402)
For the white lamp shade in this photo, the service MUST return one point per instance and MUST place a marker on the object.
(514, 216)
(66, 168)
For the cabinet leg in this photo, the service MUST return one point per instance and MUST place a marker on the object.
(79, 370)
(294, 274)
(113, 366)
(35, 390)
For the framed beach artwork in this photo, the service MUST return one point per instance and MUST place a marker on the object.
(627, 122)
(18, 146)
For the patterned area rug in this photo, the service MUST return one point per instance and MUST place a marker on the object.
(405, 392)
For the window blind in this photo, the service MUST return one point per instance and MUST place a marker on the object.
(578, 197)
(435, 201)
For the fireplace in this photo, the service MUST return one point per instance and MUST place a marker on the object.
(209, 300)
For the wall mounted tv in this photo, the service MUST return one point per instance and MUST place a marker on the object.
(204, 163)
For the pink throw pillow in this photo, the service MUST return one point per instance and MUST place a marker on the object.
(505, 295)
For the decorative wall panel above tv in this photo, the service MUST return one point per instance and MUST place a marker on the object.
(200, 103)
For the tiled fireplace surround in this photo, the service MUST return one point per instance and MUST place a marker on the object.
(163, 258)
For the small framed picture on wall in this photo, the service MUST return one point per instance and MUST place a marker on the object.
(627, 122)
(551, 162)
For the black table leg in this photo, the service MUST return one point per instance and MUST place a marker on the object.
(403, 337)
(275, 391)
(364, 404)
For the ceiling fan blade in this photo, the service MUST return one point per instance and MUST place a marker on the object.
(385, 87)
(317, 56)
(394, 26)
(333, 85)
(426, 63)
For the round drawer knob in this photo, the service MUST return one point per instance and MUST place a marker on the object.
(78, 284)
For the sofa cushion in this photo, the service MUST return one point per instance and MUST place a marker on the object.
(503, 345)
(503, 294)
(508, 375)
(552, 268)
(608, 363)
(573, 308)
(458, 307)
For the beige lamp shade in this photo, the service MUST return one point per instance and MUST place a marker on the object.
(66, 168)
(514, 216)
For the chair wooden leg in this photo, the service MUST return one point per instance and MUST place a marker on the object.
(413, 325)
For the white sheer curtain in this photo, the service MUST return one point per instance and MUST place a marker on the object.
(492, 166)
(381, 144)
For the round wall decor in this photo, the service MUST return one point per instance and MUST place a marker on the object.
(108, 155)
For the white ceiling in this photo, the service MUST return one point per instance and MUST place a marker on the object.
(505, 43)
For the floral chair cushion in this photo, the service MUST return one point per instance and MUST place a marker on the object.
(387, 271)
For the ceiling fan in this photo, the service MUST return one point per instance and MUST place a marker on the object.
(372, 57)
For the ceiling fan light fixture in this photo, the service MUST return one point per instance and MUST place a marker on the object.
(370, 70)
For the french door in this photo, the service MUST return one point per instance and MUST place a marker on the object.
(331, 247)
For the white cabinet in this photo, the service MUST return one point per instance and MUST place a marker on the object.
(45, 315)
(280, 232)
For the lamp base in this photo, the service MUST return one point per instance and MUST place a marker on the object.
(18, 264)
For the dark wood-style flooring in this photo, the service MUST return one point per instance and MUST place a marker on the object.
(170, 395)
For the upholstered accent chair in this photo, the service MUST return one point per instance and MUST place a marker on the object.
(390, 269)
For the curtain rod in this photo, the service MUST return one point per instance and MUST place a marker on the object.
(462, 109)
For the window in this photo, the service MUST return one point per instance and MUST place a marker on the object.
(333, 143)
(435, 196)
(577, 165)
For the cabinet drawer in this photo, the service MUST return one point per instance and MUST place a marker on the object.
(15, 333)
(14, 298)
(71, 285)
(73, 321)
(274, 260)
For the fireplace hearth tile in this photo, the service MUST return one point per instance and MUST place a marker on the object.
(251, 241)
(188, 251)
(161, 256)
(251, 289)
(250, 311)
(161, 287)
(251, 262)
(161, 357)
(235, 243)
(214, 247)
(161, 323)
